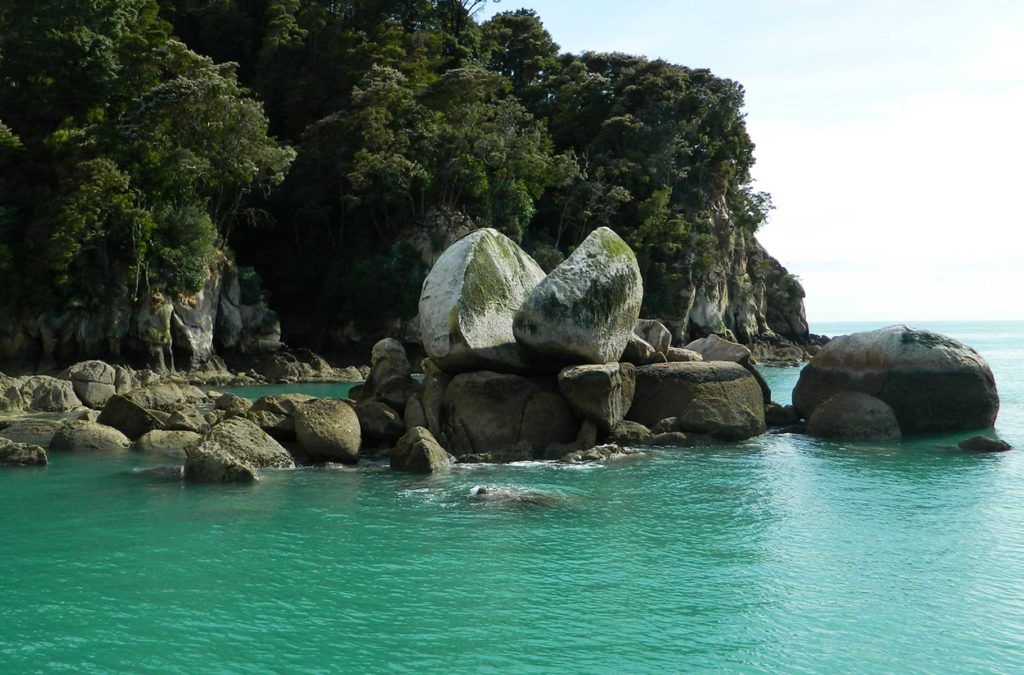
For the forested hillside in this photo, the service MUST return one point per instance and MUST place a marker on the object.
(325, 152)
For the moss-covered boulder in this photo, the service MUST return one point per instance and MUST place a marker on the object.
(932, 382)
(854, 416)
(719, 399)
(419, 452)
(328, 429)
(586, 309)
(469, 300)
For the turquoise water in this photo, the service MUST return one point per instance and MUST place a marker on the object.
(778, 554)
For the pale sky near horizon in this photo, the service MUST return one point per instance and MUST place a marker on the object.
(889, 134)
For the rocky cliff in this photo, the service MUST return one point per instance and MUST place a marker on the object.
(156, 331)
(745, 294)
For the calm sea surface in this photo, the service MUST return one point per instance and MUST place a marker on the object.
(777, 554)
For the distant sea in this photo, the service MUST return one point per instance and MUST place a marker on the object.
(779, 554)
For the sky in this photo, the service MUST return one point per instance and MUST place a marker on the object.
(889, 135)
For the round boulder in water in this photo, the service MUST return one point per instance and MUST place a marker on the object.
(469, 300)
(932, 382)
(329, 429)
(854, 416)
(585, 310)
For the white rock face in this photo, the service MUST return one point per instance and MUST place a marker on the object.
(585, 310)
(469, 300)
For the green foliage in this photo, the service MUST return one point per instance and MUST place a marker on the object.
(385, 287)
(138, 141)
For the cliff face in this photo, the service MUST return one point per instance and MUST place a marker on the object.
(745, 295)
(155, 331)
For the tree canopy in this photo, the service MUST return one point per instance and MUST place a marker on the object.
(324, 141)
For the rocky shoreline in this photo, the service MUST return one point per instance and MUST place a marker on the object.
(519, 366)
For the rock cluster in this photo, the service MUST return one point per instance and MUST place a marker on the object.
(526, 366)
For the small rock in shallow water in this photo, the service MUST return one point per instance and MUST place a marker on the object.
(984, 444)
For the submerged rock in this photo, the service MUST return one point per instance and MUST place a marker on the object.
(585, 310)
(932, 382)
(983, 444)
(469, 300)
(419, 452)
(328, 429)
(21, 454)
(719, 399)
(854, 416)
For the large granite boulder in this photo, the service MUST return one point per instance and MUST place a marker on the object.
(31, 432)
(248, 443)
(165, 442)
(129, 417)
(932, 382)
(328, 429)
(275, 414)
(390, 379)
(654, 333)
(853, 416)
(715, 348)
(585, 310)
(166, 396)
(93, 381)
(10, 393)
(469, 300)
(419, 452)
(380, 423)
(21, 454)
(83, 436)
(48, 394)
(599, 393)
(486, 412)
(719, 399)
